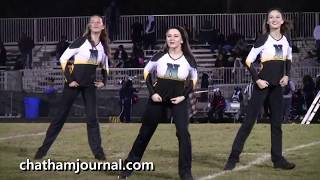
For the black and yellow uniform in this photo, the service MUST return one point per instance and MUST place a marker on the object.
(276, 57)
(171, 82)
(87, 57)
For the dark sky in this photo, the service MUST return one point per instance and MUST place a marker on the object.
(54, 8)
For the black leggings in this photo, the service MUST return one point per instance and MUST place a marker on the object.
(68, 97)
(274, 94)
(154, 113)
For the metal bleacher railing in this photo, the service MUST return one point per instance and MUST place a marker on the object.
(36, 80)
(50, 29)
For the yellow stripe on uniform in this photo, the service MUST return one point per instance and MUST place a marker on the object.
(194, 83)
(273, 58)
(63, 66)
(145, 74)
(79, 61)
(248, 63)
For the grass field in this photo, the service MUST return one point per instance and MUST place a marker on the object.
(211, 144)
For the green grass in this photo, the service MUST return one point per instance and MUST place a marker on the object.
(211, 144)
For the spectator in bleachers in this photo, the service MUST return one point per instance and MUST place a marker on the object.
(233, 38)
(189, 32)
(220, 38)
(137, 57)
(236, 71)
(26, 44)
(89, 51)
(61, 46)
(204, 81)
(121, 57)
(218, 41)
(308, 89)
(229, 60)
(288, 90)
(150, 33)
(127, 96)
(220, 60)
(205, 33)
(241, 48)
(136, 32)
(217, 107)
(204, 86)
(236, 103)
(239, 53)
(268, 82)
(299, 107)
(3, 54)
(112, 18)
(227, 49)
(237, 95)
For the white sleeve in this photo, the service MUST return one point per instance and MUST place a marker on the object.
(67, 54)
(150, 67)
(253, 55)
(289, 54)
(194, 76)
(105, 63)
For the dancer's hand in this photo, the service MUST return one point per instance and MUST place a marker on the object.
(177, 100)
(73, 84)
(99, 84)
(284, 81)
(156, 97)
(262, 83)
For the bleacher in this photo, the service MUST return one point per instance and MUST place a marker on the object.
(45, 64)
(44, 55)
(44, 59)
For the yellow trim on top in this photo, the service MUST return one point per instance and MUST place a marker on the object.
(171, 78)
(273, 58)
(248, 63)
(145, 75)
(194, 83)
(77, 61)
(63, 66)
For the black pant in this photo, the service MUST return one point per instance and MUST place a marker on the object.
(154, 113)
(255, 104)
(68, 97)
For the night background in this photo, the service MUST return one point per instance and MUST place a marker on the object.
(58, 8)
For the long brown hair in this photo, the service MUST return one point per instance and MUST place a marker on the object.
(185, 47)
(104, 37)
(284, 27)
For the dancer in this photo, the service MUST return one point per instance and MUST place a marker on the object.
(171, 89)
(276, 56)
(89, 51)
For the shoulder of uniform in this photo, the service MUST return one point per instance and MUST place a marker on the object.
(288, 39)
(192, 61)
(77, 43)
(157, 56)
(261, 40)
